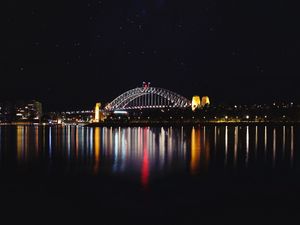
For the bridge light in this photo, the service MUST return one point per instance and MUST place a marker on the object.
(120, 112)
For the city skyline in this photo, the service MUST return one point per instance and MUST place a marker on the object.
(96, 50)
(87, 103)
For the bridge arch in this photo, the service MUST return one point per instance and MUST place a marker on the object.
(148, 97)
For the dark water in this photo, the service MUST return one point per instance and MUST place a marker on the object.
(149, 175)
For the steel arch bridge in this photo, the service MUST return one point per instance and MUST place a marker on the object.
(148, 98)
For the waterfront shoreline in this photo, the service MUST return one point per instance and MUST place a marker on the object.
(188, 124)
(160, 124)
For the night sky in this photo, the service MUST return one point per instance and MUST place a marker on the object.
(70, 54)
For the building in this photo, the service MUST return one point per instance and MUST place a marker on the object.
(196, 102)
(205, 101)
(70, 117)
(6, 112)
(28, 111)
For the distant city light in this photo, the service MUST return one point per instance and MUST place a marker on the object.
(120, 112)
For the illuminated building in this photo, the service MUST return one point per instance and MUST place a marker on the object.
(97, 112)
(205, 101)
(71, 117)
(196, 102)
(28, 111)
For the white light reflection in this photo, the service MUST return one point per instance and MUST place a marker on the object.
(91, 137)
(116, 151)
(162, 147)
(283, 141)
(69, 141)
(226, 145)
(82, 155)
(266, 141)
(50, 142)
(274, 147)
(170, 144)
(0, 142)
(247, 146)
(123, 149)
(44, 137)
(236, 142)
(292, 146)
(256, 141)
(87, 143)
(76, 142)
(110, 145)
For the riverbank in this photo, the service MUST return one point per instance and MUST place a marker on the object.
(204, 123)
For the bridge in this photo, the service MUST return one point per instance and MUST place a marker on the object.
(147, 97)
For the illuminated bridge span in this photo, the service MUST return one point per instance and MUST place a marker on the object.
(147, 97)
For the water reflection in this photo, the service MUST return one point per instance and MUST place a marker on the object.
(20, 143)
(145, 159)
(195, 150)
(247, 146)
(147, 152)
(266, 140)
(274, 147)
(283, 141)
(97, 149)
(236, 142)
(292, 145)
(226, 144)
(256, 140)
(50, 142)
